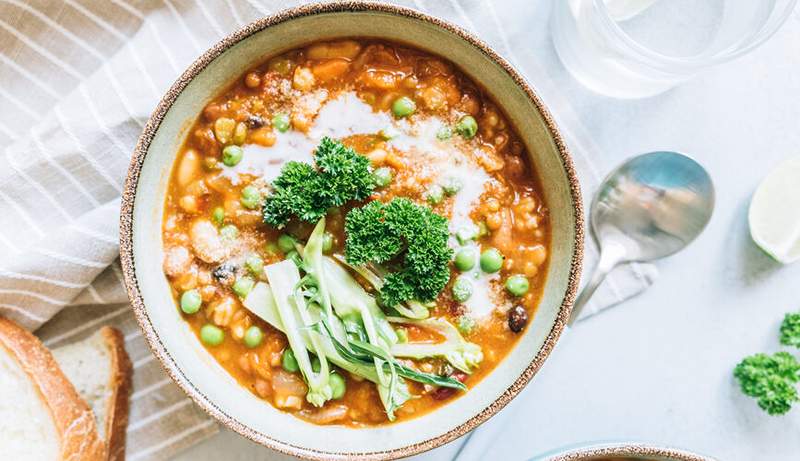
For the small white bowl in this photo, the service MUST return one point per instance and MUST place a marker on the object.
(183, 357)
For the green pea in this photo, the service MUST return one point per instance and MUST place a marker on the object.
(466, 233)
(382, 176)
(444, 133)
(315, 364)
(191, 301)
(491, 260)
(281, 122)
(232, 155)
(286, 243)
(289, 362)
(435, 194)
(327, 242)
(402, 335)
(465, 259)
(211, 335)
(229, 232)
(242, 286)
(467, 127)
(403, 107)
(251, 197)
(465, 324)
(253, 337)
(517, 285)
(462, 289)
(338, 386)
(218, 215)
(254, 264)
(452, 185)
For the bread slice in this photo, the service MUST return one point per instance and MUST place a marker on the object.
(42, 417)
(101, 371)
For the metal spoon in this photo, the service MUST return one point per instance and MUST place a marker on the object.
(650, 207)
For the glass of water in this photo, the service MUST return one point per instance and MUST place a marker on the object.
(639, 48)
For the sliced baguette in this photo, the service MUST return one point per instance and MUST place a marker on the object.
(42, 417)
(101, 371)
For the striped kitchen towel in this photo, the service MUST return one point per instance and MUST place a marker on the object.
(78, 79)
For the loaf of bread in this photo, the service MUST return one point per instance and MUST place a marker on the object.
(42, 417)
(101, 371)
(68, 405)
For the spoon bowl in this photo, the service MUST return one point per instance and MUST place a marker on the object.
(651, 207)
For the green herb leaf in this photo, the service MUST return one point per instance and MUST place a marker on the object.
(341, 175)
(380, 233)
(790, 330)
(771, 380)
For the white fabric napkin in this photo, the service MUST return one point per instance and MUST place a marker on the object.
(78, 79)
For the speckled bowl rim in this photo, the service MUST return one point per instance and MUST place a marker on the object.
(626, 449)
(126, 232)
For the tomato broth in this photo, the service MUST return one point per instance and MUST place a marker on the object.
(423, 125)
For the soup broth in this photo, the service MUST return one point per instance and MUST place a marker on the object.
(431, 136)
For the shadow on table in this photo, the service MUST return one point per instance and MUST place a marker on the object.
(747, 262)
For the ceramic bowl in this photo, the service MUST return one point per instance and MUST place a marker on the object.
(628, 451)
(181, 354)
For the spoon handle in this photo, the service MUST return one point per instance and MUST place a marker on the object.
(610, 256)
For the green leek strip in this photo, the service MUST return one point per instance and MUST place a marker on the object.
(283, 277)
(414, 310)
(349, 298)
(368, 275)
(302, 308)
(459, 352)
(313, 258)
(359, 351)
(372, 335)
(261, 302)
(388, 383)
(410, 373)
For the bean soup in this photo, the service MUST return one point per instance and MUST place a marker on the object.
(355, 232)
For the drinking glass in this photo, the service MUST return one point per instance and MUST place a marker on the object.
(639, 48)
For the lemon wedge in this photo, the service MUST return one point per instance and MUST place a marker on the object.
(774, 215)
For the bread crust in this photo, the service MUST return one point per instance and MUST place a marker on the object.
(117, 411)
(74, 420)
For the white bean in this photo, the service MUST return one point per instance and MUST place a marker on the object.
(188, 168)
(206, 242)
(176, 261)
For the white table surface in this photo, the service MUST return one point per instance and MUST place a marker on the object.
(658, 368)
